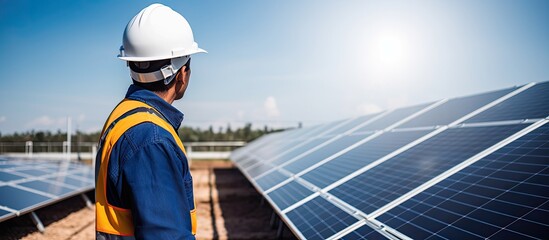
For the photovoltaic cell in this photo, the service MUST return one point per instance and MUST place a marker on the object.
(275, 148)
(326, 151)
(259, 169)
(270, 180)
(78, 183)
(35, 172)
(454, 109)
(6, 177)
(532, 103)
(364, 232)
(289, 194)
(502, 196)
(299, 150)
(18, 199)
(392, 118)
(406, 171)
(320, 219)
(360, 156)
(41, 183)
(350, 125)
(47, 187)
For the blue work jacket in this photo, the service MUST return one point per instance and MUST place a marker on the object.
(149, 174)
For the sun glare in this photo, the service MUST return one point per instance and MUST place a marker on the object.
(390, 50)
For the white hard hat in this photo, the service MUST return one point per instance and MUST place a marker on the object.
(157, 32)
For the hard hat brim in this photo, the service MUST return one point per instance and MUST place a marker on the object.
(145, 59)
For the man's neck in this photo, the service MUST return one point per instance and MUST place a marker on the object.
(168, 96)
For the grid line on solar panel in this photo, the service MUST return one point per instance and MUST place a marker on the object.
(362, 155)
(353, 124)
(320, 219)
(288, 195)
(396, 117)
(297, 165)
(270, 180)
(453, 109)
(505, 194)
(532, 103)
(363, 232)
(387, 181)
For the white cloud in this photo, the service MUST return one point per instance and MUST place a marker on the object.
(270, 107)
(47, 121)
(2, 119)
(367, 108)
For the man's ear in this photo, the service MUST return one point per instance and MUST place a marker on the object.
(183, 72)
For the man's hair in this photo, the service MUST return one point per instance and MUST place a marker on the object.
(151, 66)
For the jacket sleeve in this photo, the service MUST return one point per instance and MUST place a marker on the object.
(155, 177)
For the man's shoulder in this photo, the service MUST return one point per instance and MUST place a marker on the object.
(148, 133)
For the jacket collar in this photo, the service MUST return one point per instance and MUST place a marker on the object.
(174, 116)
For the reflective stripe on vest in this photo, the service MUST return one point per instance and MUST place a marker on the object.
(111, 219)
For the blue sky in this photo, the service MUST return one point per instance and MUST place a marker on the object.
(270, 62)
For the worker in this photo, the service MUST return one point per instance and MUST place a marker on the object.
(144, 188)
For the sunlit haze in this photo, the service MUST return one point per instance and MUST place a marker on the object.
(274, 63)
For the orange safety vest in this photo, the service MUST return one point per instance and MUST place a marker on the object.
(111, 219)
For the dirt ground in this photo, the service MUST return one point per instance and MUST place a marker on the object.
(228, 208)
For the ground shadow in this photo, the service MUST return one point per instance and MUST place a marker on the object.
(246, 215)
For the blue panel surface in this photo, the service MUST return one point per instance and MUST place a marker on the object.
(18, 199)
(47, 187)
(502, 196)
(299, 150)
(350, 125)
(270, 180)
(320, 219)
(360, 156)
(364, 232)
(35, 172)
(5, 214)
(324, 152)
(75, 182)
(532, 103)
(392, 118)
(6, 177)
(406, 171)
(289, 194)
(454, 109)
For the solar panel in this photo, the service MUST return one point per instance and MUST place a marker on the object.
(502, 196)
(326, 151)
(349, 125)
(454, 109)
(360, 156)
(270, 180)
(392, 118)
(364, 232)
(416, 172)
(390, 179)
(532, 103)
(319, 219)
(289, 194)
(26, 185)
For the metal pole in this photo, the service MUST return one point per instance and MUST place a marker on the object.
(68, 138)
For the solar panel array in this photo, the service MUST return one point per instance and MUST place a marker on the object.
(473, 167)
(26, 185)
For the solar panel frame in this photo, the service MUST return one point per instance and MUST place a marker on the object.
(520, 106)
(384, 183)
(453, 186)
(51, 170)
(462, 122)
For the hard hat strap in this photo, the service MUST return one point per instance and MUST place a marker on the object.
(165, 73)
